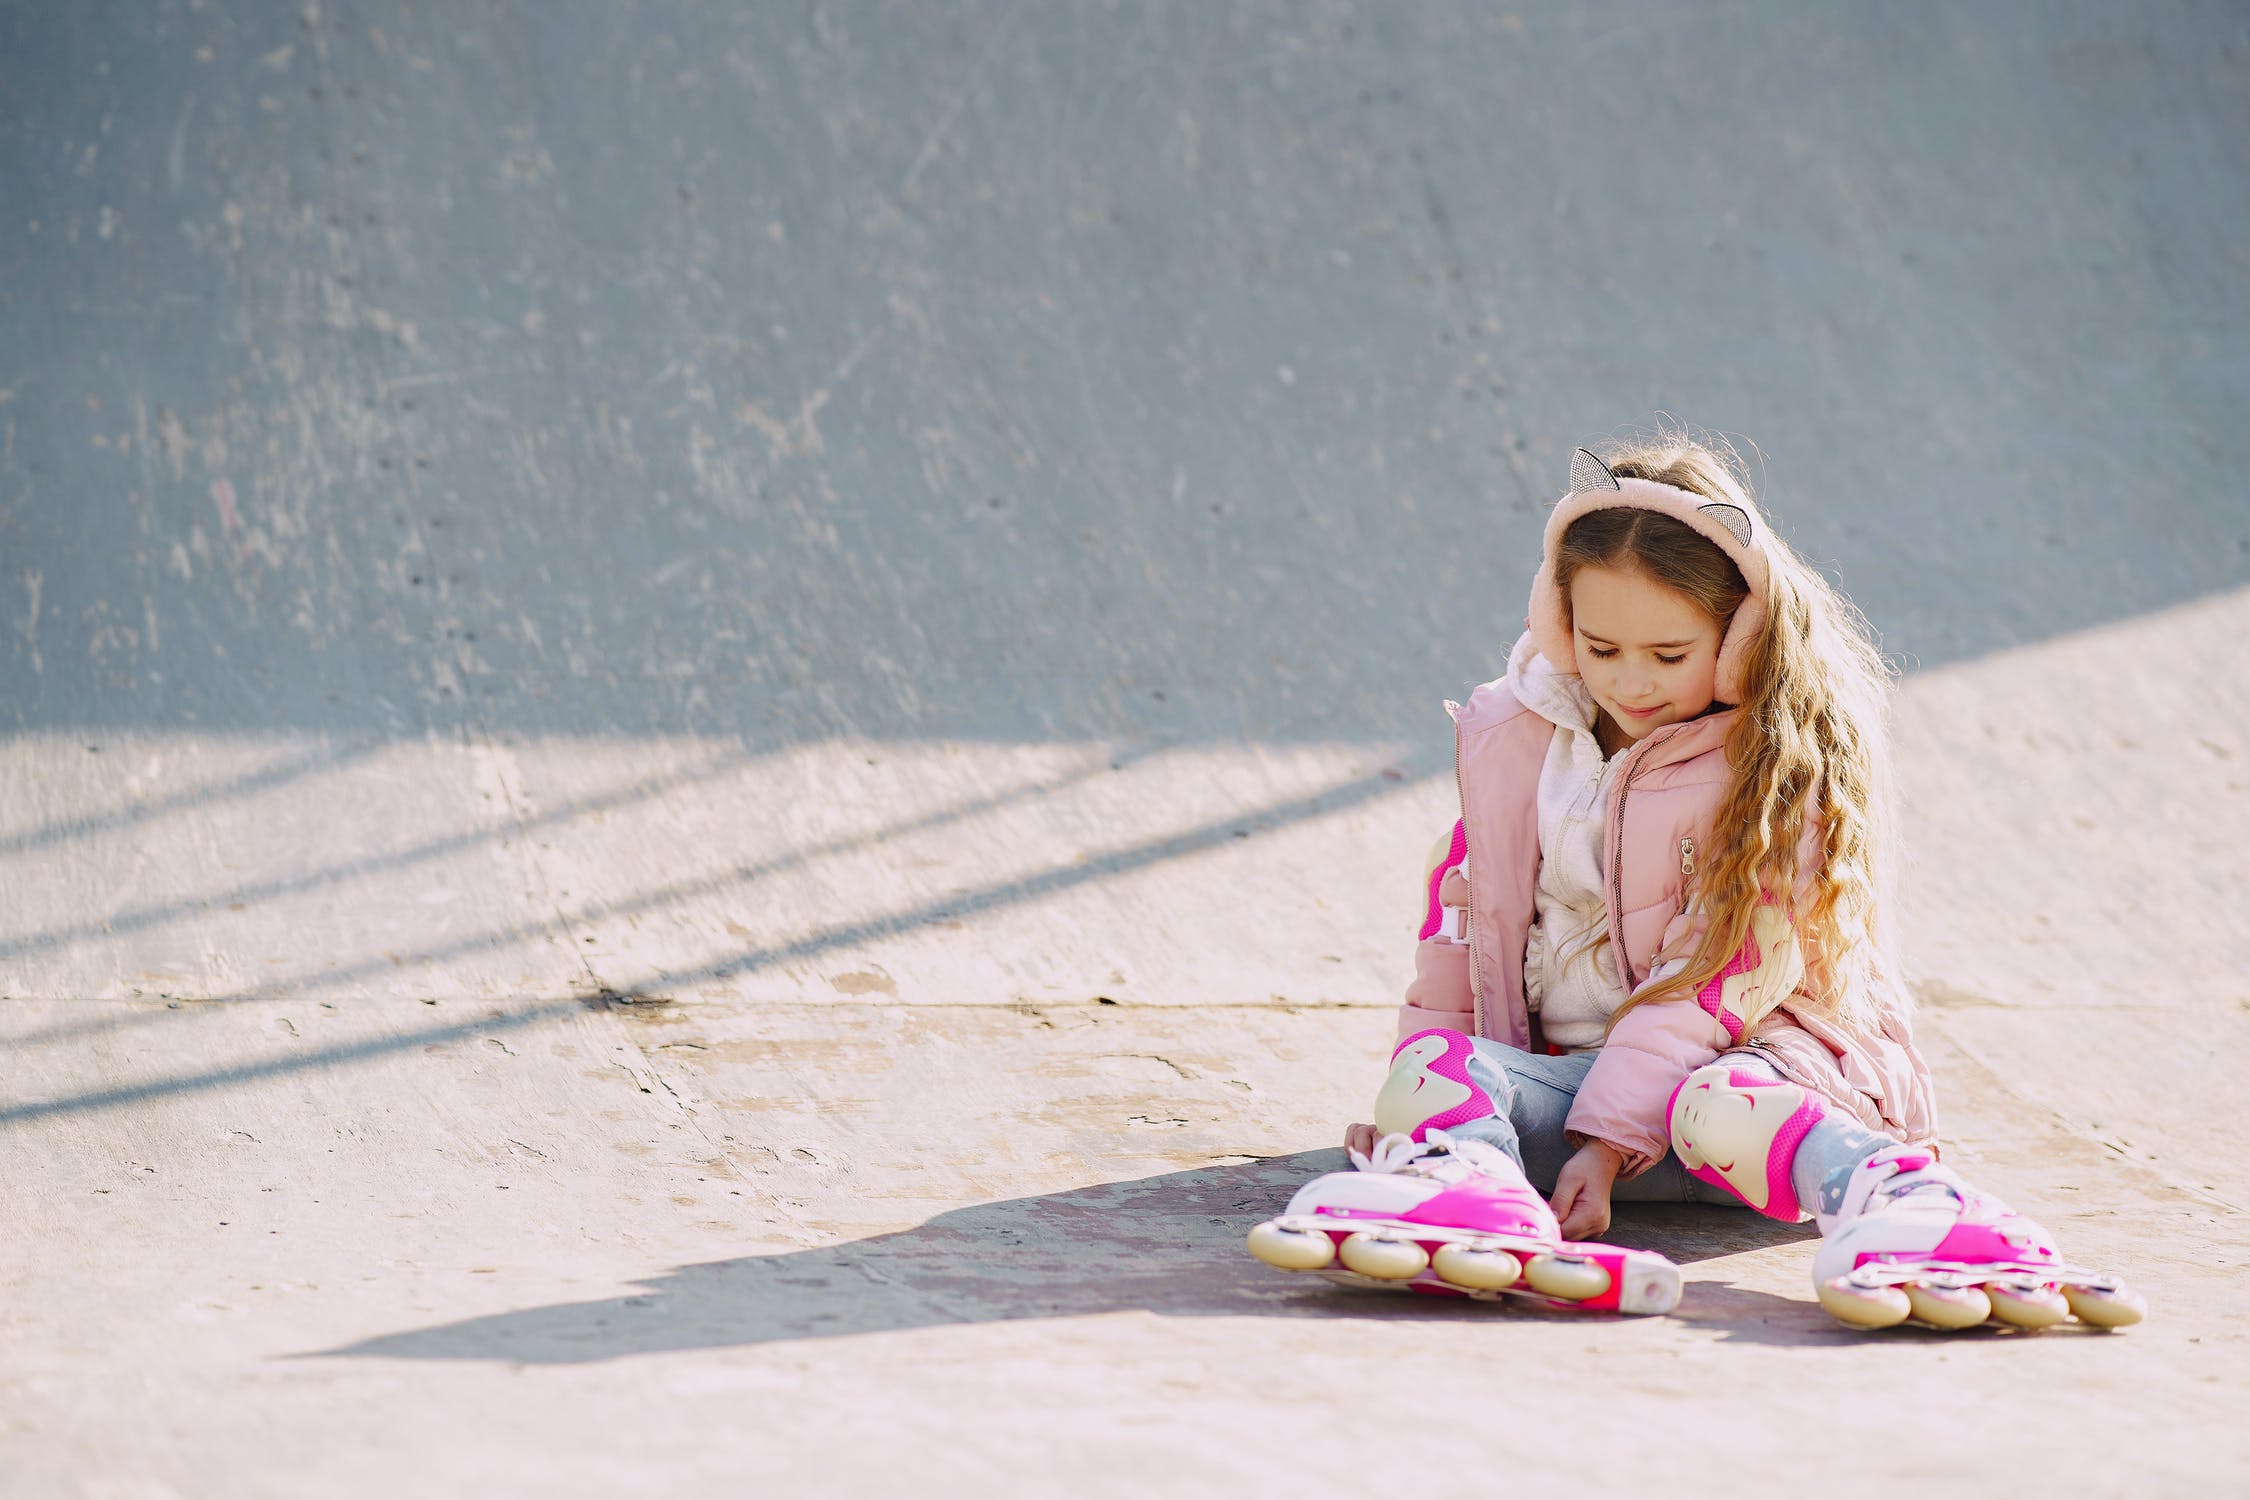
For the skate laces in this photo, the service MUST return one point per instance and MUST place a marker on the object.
(1399, 1152)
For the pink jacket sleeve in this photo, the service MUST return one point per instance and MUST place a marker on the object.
(1440, 994)
(1652, 1047)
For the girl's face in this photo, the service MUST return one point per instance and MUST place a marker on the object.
(1648, 653)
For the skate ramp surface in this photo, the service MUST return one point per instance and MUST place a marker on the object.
(720, 720)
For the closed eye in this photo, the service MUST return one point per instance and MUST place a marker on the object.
(1601, 655)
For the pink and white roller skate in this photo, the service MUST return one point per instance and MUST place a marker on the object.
(1910, 1238)
(1454, 1217)
(1430, 1212)
(1913, 1241)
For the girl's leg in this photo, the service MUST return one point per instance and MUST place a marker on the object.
(1477, 1089)
(1742, 1132)
(1541, 1090)
(1482, 1090)
(1822, 1164)
(1902, 1236)
(1442, 1203)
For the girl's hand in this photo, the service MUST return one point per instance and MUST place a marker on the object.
(1360, 1138)
(1581, 1198)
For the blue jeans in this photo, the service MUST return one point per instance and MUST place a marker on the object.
(1534, 1095)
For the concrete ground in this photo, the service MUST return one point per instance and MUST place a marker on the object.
(721, 719)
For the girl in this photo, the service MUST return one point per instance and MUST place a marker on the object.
(1654, 963)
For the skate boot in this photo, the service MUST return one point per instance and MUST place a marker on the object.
(1911, 1240)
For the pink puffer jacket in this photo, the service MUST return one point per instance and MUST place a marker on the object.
(1660, 804)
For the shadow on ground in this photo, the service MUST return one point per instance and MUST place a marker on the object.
(1169, 1244)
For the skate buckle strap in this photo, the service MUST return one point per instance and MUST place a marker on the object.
(1894, 1173)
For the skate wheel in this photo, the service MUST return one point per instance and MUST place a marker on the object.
(1570, 1277)
(1289, 1249)
(2106, 1304)
(2042, 1307)
(1483, 1270)
(1384, 1257)
(1948, 1306)
(1863, 1306)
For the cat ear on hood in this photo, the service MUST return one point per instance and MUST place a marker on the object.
(1588, 473)
(1590, 476)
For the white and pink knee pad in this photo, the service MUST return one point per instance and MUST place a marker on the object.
(1429, 1087)
(1739, 1129)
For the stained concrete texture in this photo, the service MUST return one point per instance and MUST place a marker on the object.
(719, 720)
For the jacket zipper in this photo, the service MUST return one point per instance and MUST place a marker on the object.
(1461, 791)
(1617, 854)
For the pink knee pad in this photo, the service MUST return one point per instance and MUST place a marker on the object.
(1739, 1129)
(1429, 1087)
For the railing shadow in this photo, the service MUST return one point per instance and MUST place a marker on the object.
(150, 917)
(1169, 1244)
(232, 1074)
(146, 918)
(201, 797)
(1215, 833)
(1212, 834)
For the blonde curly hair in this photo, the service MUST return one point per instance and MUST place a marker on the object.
(1809, 748)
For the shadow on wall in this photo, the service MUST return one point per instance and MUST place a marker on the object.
(1169, 1244)
(1183, 374)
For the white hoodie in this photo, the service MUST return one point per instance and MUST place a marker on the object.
(1569, 977)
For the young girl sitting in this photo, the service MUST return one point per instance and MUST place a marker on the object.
(1654, 965)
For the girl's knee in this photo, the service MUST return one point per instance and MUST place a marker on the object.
(1434, 1085)
(1737, 1129)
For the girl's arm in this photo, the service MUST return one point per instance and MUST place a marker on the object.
(1439, 994)
(1581, 1197)
(1652, 1047)
(1622, 1102)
